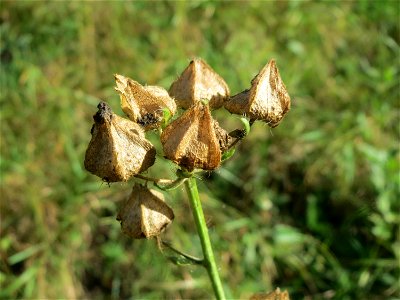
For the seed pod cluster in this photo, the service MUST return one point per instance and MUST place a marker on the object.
(266, 100)
(199, 82)
(118, 148)
(145, 213)
(143, 104)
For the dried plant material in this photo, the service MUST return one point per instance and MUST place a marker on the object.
(266, 100)
(199, 82)
(144, 214)
(224, 139)
(275, 295)
(191, 142)
(143, 104)
(118, 149)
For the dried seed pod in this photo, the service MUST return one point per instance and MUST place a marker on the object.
(143, 104)
(144, 214)
(275, 295)
(118, 148)
(191, 142)
(197, 82)
(266, 100)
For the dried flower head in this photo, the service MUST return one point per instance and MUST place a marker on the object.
(145, 213)
(191, 142)
(118, 148)
(198, 82)
(266, 100)
(143, 104)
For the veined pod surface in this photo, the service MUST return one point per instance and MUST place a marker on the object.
(144, 214)
(267, 99)
(191, 141)
(199, 82)
(143, 104)
(118, 148)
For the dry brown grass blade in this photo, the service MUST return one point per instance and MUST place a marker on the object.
(275, 295)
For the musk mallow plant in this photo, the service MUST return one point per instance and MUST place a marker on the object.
(192, 139)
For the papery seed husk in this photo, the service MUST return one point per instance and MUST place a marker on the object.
(118, 148)
(266, 100)
(144, 214)
(143, 104)
(191, 142)
(224, 139)
(199, 82)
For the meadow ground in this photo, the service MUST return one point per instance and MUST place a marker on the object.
(311, 206)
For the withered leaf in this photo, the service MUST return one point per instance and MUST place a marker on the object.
(199, 82)
(145, 213)
(143, 104)
(191, 142)
(118, 148)
(266, 100)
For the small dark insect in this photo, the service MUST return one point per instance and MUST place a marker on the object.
(103, 114)
(238, 134)
(148, 119)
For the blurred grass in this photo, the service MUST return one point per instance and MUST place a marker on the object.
(311, 206)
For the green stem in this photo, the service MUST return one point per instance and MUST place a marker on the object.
(209, 261)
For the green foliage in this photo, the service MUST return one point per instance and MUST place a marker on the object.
(311, 206)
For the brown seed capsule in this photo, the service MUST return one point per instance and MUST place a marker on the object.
(118, 149)
(191, 142)
(199, 82)
(144, 214)
(275, 295)
(266, 100)
(143, 104)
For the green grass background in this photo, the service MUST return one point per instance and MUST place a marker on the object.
(311, 206)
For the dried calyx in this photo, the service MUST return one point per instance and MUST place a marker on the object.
(118, 148)
(195, 140)
(145, 213)
(143, 104)
(266, 100)
(198, 82)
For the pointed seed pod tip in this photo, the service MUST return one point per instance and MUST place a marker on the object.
(199, 82)
(266, 100)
